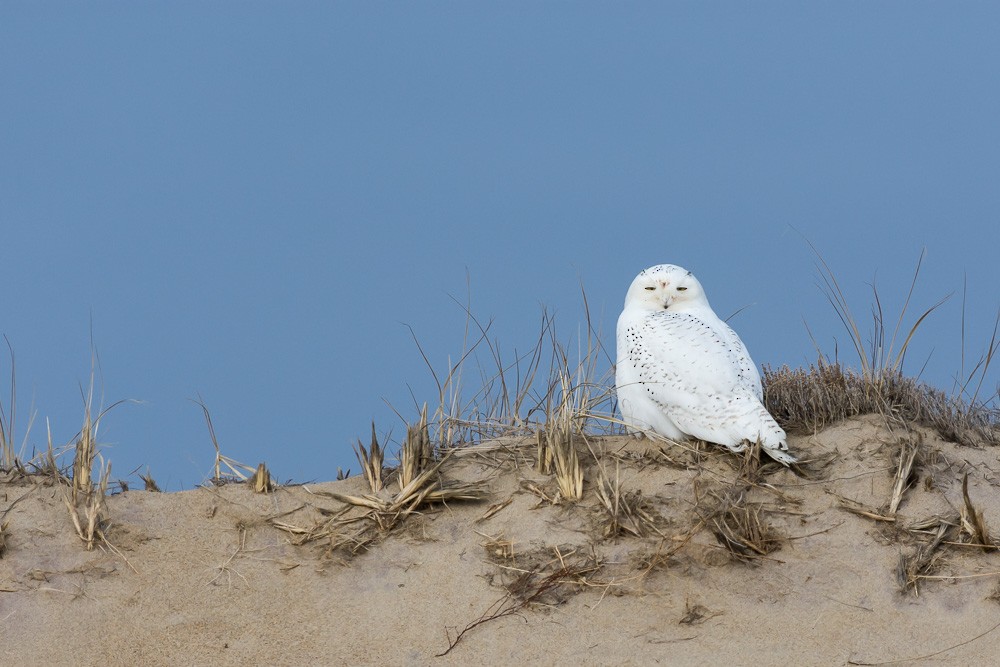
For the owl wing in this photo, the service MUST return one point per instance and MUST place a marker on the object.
(704, 381)
(748, 373)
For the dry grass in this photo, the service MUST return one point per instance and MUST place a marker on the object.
(937, 536)
(46, 463)
(260, 481)
(972, 522)
(86, 499)
(416, 453)
(87, 508)
(556, 450)
(925, 560)
(225, 470)
(348, 533)
(149, 484)
(543, 458)
(371, 461)
(624, 512)
(83, 458)
(806, 400)
(738, 523)
(7, 454)
(566, 462)
(526, 393)
(544, 577)
(421, 484)
(904, 476)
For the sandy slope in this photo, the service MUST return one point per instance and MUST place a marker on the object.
(204, 578)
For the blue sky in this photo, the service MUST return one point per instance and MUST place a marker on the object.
(249, 201)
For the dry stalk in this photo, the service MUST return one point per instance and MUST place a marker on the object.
(972, 520)
(260, 481)
(536, 490)
(416, 452)
(371, 462)
(494, 508)
(861, 511)
(83, 459)
(623, 510)
(149, 482)
(3, 537)
(528, 588)
(383, 515)
(89, 526)
(569, 472)
(739, 527)
(544, 463)
(911, 568)
(45, 463)
(498, 549)
(904, 474)
(236, 470)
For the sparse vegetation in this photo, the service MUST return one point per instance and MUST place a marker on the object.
(806, 400)
(551, 412)
(420, 483)
(371, 461)
(225, 470)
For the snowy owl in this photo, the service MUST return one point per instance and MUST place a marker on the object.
(683, 373)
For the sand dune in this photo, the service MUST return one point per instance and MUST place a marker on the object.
(225, 576)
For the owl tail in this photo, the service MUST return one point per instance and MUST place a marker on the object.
(772, 439)
(779, 454)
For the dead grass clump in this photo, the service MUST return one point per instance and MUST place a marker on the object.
(260, 481)
(421, 484)
(515, 396)
(738, 524)
(90, 526)
(807, 400)
(416, 453)
(83, 459)
(972, 522)
(371, 461)
(148, 482)
(569, 472)
(946, 533)
(921, 563)
(543, 461)
(905, 475)
(45, 466)
(543, 577)
(3, 537)
(556, 438)
(624, 512)
(499, 550)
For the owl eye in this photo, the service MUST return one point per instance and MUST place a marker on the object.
(681, 289)
(651, 288)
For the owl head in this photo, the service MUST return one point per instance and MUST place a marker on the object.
(665, 287)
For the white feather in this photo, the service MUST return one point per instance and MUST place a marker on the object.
(684, 373)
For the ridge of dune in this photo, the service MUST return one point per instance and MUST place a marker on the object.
(222, 575)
